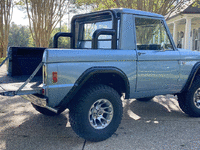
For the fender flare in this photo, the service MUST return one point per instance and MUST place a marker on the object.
(84, 78)
(191, 77)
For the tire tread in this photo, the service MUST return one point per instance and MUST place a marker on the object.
(186, 99)
(76, 110)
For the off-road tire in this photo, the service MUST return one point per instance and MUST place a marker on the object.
(187, 102)
(45, 111)
(80, 108)
(181, 102)
(146, 99)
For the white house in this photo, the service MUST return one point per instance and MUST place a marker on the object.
(184, 26)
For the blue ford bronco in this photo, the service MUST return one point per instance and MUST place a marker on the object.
(113, 54)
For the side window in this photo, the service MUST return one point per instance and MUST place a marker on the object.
(151, 35)
(85, 30)
(90, 28)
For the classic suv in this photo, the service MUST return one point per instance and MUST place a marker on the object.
(114, 53)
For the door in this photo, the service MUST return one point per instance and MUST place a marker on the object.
(158, 62)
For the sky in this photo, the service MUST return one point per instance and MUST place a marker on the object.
(19, 17)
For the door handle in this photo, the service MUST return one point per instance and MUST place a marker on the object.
(140, 53)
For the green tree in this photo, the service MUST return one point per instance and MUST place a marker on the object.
(43, 18)
(162, 7)
(63, 42)
(18, 35)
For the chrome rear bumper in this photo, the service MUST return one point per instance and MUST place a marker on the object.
(39, 100)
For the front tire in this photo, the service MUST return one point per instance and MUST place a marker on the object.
(97, 113)
(189, 101)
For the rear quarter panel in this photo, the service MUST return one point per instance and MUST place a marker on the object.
(71, 64)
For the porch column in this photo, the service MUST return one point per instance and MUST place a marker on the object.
(175, 33)
(187, 43)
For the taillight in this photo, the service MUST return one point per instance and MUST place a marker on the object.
(55, 77)
(43, 91)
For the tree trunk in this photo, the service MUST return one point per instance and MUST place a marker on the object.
(5, 18)
(43, 18)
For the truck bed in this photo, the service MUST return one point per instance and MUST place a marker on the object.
(8, 83)
(20, 66)
(13, 84)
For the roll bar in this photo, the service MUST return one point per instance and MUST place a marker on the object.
(60, 34)
(99, 32)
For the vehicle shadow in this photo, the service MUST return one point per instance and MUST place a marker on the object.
(161, 108)
(41, 132)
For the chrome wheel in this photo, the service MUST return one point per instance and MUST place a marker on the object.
(197, 98)
(100, 114)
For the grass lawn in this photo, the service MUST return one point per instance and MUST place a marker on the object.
(1, 59)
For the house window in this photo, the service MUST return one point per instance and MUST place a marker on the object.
(195, 39)
(196, 43)
(180, 39)
(198, 34)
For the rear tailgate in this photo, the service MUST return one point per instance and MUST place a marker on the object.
(24, 75)
(11, 89)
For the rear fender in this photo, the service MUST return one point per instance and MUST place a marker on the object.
(84, 78)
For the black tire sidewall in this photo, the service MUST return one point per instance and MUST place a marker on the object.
(86, 130)
(182, 103)
(189, 101)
